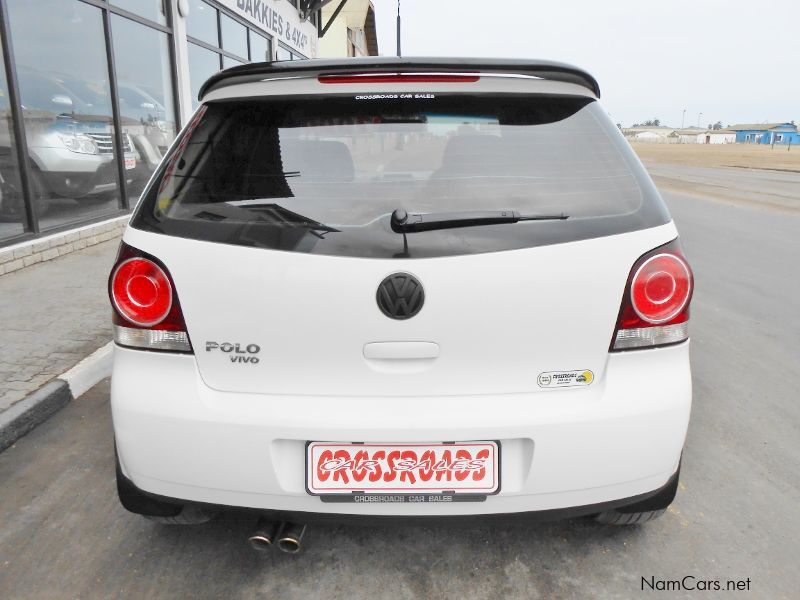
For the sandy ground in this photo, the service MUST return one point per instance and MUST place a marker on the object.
(749, 174)
(749, 156)
(756, 187)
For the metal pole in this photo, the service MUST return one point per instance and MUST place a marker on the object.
(683, 118)
(18, 126)
(116, 117)
(398, 29)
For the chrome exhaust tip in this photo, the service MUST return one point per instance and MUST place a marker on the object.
(290, 539)
(265, 534)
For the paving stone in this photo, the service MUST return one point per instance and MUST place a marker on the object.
(32, 259)
(14, 265)
(42, 336)
(23, 252)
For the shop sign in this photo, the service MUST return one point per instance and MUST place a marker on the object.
(281, 19)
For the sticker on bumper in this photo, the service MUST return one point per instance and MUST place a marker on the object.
(557, 379)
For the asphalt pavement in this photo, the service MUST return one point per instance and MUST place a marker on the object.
(63, 533)
(779, 190)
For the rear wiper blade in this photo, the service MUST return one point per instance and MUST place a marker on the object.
(402, 222)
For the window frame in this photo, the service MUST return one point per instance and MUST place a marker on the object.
(31, 223)
(249, 27)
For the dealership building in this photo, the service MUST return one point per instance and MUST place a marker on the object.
(92, 92)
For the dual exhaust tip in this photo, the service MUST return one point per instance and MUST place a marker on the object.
(288, 537)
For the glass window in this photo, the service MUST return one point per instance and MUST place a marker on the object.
(66, 101)
(149, 9)
(260, 47)
(324, 174)
(202, 65)
(283, 53)
(234, 36)
(12, 207)
(230, 62)
(144, 85)
(202, 22)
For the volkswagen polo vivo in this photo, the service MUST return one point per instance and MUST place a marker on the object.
(400, 287)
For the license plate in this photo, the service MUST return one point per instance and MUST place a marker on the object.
(130, 163)
(462, 468)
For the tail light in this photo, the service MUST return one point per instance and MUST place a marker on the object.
(399, 78)
(655, 306)
(147, 313)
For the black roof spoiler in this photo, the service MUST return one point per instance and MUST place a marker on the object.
(554, 71)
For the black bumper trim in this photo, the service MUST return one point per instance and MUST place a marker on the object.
(658, 498)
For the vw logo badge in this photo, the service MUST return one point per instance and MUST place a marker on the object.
(400, 296)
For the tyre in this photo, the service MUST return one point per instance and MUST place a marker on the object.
(11, 210)
(645, 510)
(40, 192)
(11, 206)
(189, 515)
(152, 508)
(614, 517)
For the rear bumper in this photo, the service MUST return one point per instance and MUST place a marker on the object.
(586, 449)
(163, 506)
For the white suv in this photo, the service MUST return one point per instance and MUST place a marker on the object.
(403, 287)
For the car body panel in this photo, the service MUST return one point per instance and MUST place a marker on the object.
(178, 438)
(499, 318)
(210, 427)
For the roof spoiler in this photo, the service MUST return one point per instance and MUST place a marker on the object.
(549, 70)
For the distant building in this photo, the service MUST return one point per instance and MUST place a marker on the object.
(689, 135)
(717, 136)
(659, 135)
(695, 135)
(766, 133)
(352, 31)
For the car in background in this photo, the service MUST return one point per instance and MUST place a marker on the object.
(136, 103)
(70, 140)
(149, 126)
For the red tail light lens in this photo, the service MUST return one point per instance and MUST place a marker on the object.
(398, 78)
(655, 305)
(147, 313)
(661, 288)
(141, 292)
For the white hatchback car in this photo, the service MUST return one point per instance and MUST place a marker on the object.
(400, 287)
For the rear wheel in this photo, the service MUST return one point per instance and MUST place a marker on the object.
(645, 510)
(189, 515)
(153, 509)
(40, 192)
(614, 517)
(11, 206)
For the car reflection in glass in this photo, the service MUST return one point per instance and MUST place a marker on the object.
(69, 130)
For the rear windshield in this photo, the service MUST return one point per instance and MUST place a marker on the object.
(322, 175)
